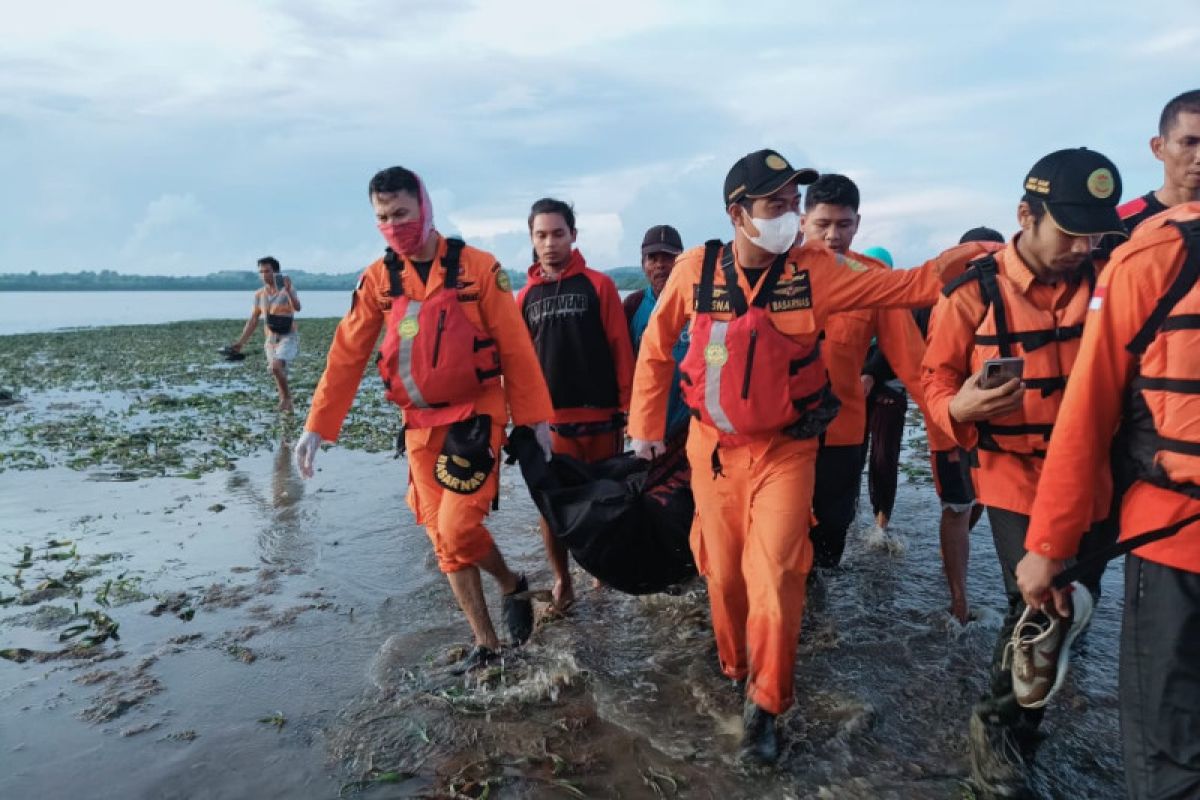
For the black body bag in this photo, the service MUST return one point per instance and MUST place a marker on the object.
(624, 520)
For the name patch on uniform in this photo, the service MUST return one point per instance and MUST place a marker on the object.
(1098, 298)
(720, 300)
(791, 294)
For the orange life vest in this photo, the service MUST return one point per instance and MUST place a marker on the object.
(1162, 424)
(434, 361)
(1012, 327)
(789, 390)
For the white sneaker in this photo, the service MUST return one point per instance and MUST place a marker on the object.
(1041, 646)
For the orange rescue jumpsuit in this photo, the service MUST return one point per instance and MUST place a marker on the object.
(751, 541)
(454, 521)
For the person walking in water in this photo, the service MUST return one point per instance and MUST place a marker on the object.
(457, 359)
(575, 319)
(759, 393)
(1002, 342)
(277, 303)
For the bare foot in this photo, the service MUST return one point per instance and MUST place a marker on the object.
(959, 610)
(564, 596)
(597, 584)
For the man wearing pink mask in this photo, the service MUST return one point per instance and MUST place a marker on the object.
(456, 358)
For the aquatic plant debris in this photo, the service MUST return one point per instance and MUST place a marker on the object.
(131, 402)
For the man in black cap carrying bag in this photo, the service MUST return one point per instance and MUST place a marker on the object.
(1002, 341)
(758, 391)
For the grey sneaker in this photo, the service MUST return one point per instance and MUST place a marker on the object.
(997, 766)
(1040, 649)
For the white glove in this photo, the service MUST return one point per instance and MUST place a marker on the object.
(647, 450)
(541, 432)
(306, 452)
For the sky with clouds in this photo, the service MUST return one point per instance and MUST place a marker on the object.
(158, 137)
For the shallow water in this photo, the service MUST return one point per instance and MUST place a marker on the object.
(318, 604)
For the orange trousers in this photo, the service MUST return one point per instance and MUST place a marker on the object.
(589, 449)
(453, 521)
(751, 544)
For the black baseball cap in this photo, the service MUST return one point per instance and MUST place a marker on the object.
(1080, 188)
(662, 239)
(760, 173)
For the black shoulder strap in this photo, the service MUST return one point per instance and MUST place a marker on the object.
(989, 289)
(395, 265)
(450, 261)
(1117, 549)
(1184, 281)
(737, 300)
(708, 272)
(969, 274)
(768, 284)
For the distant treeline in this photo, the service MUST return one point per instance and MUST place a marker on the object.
(107, 280)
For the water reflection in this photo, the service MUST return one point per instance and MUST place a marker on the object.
(283, 539)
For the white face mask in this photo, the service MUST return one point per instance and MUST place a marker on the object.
(776, 235)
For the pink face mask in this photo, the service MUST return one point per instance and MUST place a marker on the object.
(403, 237)
(406, 238)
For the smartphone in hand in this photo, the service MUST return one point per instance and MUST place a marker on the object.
(279, 283)
(999, 371)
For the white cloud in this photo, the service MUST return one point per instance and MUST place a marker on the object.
(272, 113)
(165, 215)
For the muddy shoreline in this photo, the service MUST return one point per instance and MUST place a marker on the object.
(281, 638)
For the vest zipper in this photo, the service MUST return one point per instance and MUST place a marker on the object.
(749, 364)
(437, 343)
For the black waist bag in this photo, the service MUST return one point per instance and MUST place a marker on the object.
(466, 459)
(624, 520)
(278, 323)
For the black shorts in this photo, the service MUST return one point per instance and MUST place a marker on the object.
(953, 479)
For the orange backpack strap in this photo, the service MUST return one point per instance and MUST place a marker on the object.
(1184, 281)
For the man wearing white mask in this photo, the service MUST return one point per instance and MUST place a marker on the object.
(759, 394)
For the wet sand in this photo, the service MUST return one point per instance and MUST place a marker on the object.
(280, 638)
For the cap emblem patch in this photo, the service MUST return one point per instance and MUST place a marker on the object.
(1100, 184)
(1037, 185)
(775, 162)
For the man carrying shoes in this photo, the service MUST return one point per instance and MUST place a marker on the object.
(1132, 394)
(455, 357)
(1002, 342)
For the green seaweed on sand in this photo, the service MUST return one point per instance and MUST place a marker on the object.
(133, 402)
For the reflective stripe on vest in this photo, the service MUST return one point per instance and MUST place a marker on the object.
(404, 368)
(713, 367)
